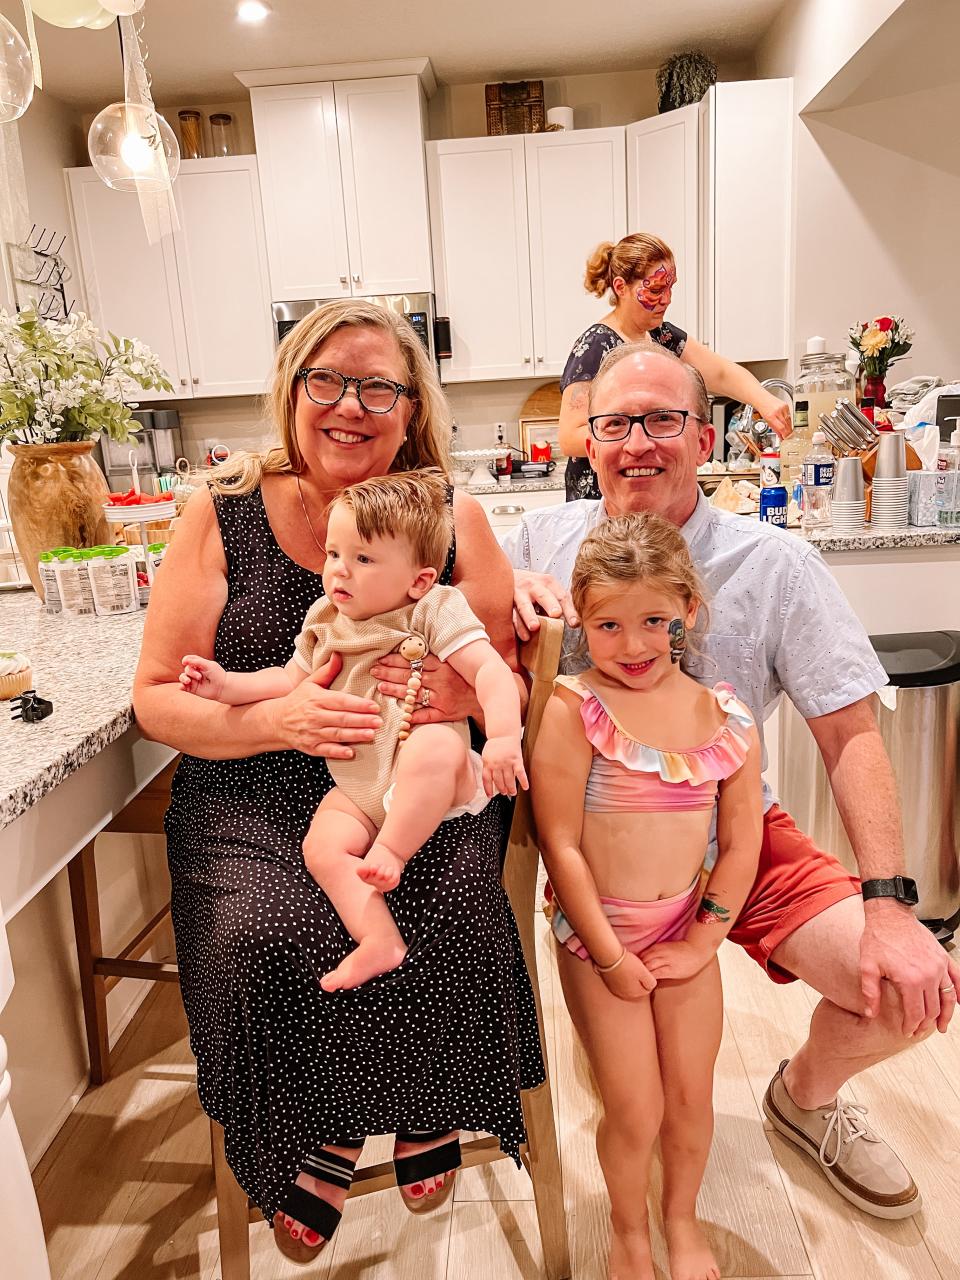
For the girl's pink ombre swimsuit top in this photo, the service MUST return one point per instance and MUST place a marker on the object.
(628, 776)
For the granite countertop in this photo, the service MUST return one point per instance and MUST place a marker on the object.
(870, 540)
(85, 667)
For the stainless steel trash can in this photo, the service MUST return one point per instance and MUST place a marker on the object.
(921, 738)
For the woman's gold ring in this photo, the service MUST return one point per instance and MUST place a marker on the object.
(949, 987)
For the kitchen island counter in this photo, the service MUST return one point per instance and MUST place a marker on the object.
(880, 540)
(85, 667)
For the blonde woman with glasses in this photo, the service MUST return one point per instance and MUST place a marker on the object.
(299, 1076)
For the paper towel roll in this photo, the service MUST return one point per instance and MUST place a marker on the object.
(563, 116)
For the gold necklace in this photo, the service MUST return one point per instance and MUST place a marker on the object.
(306, 517)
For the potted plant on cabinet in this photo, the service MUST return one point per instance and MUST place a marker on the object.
(62, 386)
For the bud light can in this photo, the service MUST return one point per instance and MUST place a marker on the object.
(773, 505)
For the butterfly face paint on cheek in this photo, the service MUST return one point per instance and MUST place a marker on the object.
(654, 291)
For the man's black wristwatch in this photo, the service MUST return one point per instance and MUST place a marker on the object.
(900, 887)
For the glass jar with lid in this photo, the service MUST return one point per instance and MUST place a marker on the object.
(221, 133)
(191, 134)
(824, 378)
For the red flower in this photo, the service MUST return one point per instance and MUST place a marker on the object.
(884, 323)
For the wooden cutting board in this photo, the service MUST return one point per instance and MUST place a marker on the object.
(542, 403)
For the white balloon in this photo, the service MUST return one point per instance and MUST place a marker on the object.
(67, 13)
(123, 8)
(16, 73)
(104, 19)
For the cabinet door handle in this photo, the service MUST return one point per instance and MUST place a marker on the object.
(526, 359)
(539, 359)
(356, 279)
(343, 279)
(196, 382)
(183, 382)
(508, 511)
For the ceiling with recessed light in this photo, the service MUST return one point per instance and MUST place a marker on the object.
(196, 45)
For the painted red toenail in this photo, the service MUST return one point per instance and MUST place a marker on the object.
(416, 1191)
(311, 1237)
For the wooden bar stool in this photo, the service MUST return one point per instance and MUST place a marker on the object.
(100, 973)
(540, 1155)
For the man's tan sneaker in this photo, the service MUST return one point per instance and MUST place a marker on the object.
(854, 1159)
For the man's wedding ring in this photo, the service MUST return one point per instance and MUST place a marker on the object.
(425, 698)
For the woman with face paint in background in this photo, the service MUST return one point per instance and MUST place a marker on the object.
(639, 274)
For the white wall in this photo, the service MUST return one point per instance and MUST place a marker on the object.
(876, 185)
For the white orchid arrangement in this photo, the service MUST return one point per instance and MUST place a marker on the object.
(880, 342)
(60, 382)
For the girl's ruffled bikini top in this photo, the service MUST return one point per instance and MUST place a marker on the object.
(630, 776)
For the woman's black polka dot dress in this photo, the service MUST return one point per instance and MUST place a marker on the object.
(446, 1041)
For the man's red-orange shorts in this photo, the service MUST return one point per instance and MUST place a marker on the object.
(795, 882)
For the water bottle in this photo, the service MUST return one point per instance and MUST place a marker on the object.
(817, 478)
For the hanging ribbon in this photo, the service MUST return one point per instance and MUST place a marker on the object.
(32, 41)
(157, 204)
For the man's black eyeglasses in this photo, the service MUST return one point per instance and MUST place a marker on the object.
(659, 424)
(328, 386)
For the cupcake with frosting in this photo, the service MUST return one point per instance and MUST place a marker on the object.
(15, 674)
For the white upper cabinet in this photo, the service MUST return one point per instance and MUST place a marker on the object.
(662, 199)
(344, 187)
(380, 126)
(576, 194)
(298, 154)
(199, 299)
(221, 256)
(131, 287)
(478, 209)
(749, 144)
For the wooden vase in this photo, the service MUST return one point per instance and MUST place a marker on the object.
(56, 495)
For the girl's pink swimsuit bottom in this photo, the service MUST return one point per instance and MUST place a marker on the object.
(638, 925)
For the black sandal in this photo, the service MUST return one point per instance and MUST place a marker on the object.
(310, 1210)
(427, 1164)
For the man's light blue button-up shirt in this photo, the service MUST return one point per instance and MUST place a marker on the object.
(779, 622)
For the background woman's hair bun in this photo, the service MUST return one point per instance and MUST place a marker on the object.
(597, 277)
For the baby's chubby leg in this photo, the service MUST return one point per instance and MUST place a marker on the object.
(433, 775)
(339, 834)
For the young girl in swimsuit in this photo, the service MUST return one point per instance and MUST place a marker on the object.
(632, 757)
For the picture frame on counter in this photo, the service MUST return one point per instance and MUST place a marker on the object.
(534, 430)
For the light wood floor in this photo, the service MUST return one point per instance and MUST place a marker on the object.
(126, 1191)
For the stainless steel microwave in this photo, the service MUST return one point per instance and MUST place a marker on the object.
(419, 309)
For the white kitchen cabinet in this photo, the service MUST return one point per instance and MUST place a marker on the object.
(663, 185)
(747, 147)
(478, 210)
(514, 220)
(224, 286)
(714, 182)
(298, 155)
(576, 197)
(199, 299)
(506, 509)
(344, 188)
(131, 287)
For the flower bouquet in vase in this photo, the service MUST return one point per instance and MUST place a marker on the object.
(61, 387)
(879, 343)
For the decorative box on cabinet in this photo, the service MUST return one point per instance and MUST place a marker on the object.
(344, 188)
(200, 299)
(514, 220)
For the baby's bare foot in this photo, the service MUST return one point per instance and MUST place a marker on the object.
(372, 957)
(381, 868)
(691, 1258)
(630, 1256)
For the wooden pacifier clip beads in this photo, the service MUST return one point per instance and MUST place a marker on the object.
(414, 649)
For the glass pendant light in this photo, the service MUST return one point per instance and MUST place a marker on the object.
(125, 148)
(16, 73)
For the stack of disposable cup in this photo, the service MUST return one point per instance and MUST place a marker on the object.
(890, 504)
(849, 505)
